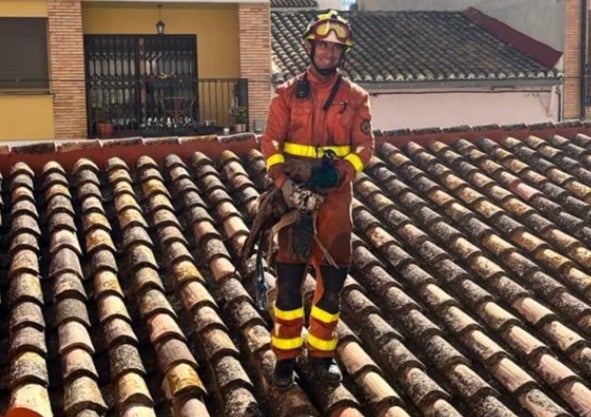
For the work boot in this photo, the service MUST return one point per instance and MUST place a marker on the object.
(283, 374)
(327, 370)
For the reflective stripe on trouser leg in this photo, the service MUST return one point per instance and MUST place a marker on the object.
(322, 340)
(286, 337)
(325, 312)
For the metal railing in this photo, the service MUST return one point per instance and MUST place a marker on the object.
(163, 106)
(219, 100)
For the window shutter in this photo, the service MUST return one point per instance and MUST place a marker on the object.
(23, 53)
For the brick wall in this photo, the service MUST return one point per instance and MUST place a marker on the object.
(254, 26)
(66, 63)
(572, 59)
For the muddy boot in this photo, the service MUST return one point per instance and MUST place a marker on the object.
(327, 370)
(283, 374)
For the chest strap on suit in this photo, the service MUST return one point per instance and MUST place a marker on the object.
(333, 93)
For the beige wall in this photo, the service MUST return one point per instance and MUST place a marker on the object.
(23, 8)
(28, 116)
(216, 27)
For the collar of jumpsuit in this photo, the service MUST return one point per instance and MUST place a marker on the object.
(318, 81)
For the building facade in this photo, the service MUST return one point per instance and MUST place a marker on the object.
(69, 64)
(562, 25)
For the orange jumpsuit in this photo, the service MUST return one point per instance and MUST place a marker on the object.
(21, 412)
(301, 128)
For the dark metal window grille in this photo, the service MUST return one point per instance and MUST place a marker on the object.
(23, 53)
(586, 81)
(144, 83)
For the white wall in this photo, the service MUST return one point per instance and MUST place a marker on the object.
(542, 20)
(417, 4)
(447, 109)
(330, 4)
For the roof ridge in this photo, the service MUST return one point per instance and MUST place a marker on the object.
(539, 51)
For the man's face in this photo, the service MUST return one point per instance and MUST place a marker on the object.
(326, 54)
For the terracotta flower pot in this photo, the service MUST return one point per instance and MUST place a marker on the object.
(105, 130)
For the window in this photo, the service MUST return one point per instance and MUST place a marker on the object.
(23, 53)
(347, 4)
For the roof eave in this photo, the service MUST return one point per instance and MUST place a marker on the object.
(505, 84)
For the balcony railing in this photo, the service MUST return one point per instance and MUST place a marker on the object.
(167, 105)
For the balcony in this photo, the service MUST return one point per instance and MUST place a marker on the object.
(165, 105)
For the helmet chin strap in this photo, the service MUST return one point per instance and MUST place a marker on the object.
(325, 72)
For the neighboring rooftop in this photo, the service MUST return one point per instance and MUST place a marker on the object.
(409, 47)
(469, 293)
(288, 4)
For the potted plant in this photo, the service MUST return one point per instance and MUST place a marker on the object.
(102, 117)
(241, 118)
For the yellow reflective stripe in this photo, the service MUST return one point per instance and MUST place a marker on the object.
(323, 316)
(298, 313)
(314, 151)
(355, 161)
(287, 344)
(275, 159)
(321, 344)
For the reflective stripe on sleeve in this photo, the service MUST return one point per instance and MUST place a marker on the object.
(323, 316)
(355, 161)
(321, 344)
(275, 159)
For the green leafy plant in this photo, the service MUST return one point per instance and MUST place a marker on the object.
(241, 115)
(101, 112)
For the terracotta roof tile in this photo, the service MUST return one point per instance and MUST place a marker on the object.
(28, 339)
(415, 176)
(28, 367)
(68, 309)
(542, 251)
(470, 272)
(381, 52)
(32, 396)
(25, 314)
(73, 334)
(294, 3)
(118, 330)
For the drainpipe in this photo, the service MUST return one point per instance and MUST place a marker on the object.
(583, 59)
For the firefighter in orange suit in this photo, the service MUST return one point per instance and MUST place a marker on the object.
(316, 114)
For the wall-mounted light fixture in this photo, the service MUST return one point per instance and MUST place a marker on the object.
(160, 24)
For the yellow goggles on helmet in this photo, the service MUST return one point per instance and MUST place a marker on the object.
(322, 29)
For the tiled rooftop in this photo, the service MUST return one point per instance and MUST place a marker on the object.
(469, 294)
(409, 46)
(313, 4)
